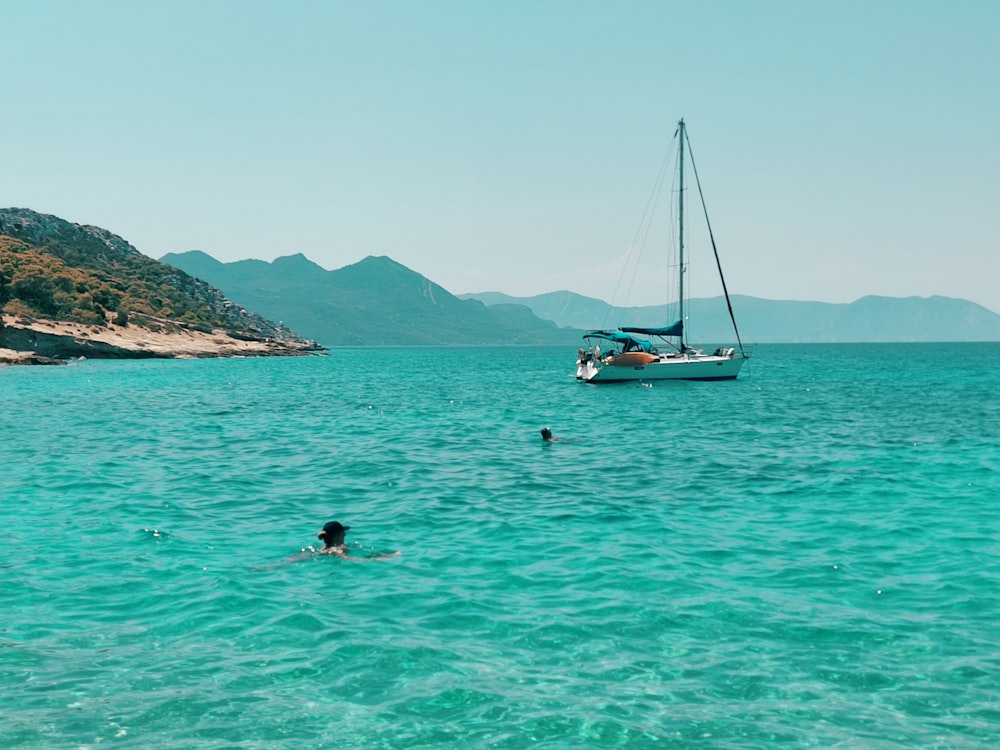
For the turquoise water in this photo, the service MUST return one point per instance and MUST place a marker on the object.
(805, 557)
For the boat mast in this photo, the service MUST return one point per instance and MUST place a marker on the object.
(680, 231)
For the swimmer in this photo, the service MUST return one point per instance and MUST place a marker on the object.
(548, 437)
(333, 535)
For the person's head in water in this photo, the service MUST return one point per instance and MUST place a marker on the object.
(547, 434)
(333, 534)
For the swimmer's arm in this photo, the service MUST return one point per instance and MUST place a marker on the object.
(373, 556)
(343, 555)
(383, 555)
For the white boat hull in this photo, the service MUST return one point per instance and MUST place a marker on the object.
(666, 367)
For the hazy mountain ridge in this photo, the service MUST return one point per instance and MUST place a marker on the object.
(378, 301)
(62, 271)
(869, 319)
(374, 302)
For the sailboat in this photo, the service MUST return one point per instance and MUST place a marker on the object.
(662, 353)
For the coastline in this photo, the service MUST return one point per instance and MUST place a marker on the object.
(48, 342)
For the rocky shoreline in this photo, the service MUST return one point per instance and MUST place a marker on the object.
(45, 342)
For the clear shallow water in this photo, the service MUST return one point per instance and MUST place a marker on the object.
(807, 557)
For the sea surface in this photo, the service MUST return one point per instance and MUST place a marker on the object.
(808, 556)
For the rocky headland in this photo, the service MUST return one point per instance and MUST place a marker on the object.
(47, 342)
(72, 291)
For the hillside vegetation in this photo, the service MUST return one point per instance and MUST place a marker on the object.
(34, 282)
(52, 269)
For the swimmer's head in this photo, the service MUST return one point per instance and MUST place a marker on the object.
(546, 433)
(333, 533)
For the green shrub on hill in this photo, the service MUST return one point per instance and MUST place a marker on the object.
(41, 285)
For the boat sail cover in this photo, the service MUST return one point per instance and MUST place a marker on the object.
(628, 342)
(674, 330)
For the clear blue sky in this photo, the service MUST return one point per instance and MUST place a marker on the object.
(846, 148)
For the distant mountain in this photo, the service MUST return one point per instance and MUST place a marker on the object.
(56, 270)
(375, 302)
(874, 319)
(52, 269)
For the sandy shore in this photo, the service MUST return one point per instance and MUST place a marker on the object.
(43, 339)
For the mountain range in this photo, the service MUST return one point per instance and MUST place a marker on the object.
(375, 302)
(869, 319)
(378, 302)
(54, 270)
